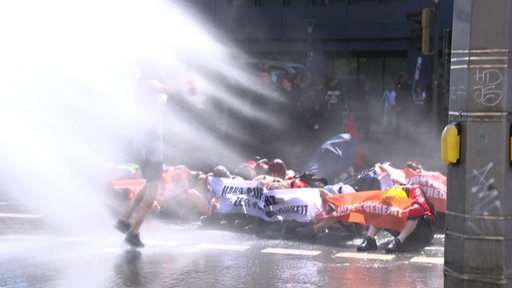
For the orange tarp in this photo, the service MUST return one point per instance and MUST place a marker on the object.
(378, 208)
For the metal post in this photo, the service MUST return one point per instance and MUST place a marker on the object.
(478, 241)
(435, 66)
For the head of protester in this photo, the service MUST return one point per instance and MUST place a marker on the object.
(277, 168)
(259, 165)
(415, 166)
(221, 172)
(245, 171)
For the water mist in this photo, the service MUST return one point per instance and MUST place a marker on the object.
(68, 74)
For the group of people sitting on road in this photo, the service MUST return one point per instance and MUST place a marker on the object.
(190, 195)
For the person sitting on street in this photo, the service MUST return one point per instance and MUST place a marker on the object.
(183, 196)
(420, 208)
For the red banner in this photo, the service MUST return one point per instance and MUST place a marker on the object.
(383, 209)
(433, 184)
(133, 185)
(174, 181)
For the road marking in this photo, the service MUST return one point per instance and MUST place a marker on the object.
(18, 215)
(163, 243)
(434, 248)
(423, 259)
(18, 237)
(365, 255)
(222, 247)
(290, 251)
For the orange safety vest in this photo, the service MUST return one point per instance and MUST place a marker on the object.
(175, 171)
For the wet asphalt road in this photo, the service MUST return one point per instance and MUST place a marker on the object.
(190, 255)
(32, 254)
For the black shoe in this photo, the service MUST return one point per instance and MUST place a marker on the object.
(395, 246)
(134, 240)
(368, 244)
(123, 226)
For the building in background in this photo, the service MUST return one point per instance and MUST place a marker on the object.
(366, 43)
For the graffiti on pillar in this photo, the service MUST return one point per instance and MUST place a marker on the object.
(457, 92)
(487, 86)
(486, 195)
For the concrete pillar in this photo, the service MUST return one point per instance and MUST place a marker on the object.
(478, 243)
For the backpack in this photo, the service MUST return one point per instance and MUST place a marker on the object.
(365, 181)
(312, 180)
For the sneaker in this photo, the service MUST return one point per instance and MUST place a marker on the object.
(123, 226)
(368, 244)
(395, 246)
(133, 239)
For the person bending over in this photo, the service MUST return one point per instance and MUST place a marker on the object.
(419, 208)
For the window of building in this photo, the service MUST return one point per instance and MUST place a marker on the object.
(257, 2)
(269, 2)
(368, 72)
(299, 2)
(242, 2)
(328, 2)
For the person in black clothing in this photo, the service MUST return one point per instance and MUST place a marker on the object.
(335, 103)
(151, 95)
(403, 101)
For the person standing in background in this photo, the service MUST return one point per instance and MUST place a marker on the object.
(336, 104)
(368, 108)
(419, 104)
(404, 103)
(389, 98)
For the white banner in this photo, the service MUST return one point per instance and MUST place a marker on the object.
(252, 198)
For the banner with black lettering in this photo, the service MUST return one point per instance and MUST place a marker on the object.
(239, 196)
(299, 204)
(252, 198)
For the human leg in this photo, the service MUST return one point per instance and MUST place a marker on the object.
(318, 227)
(133, 236)
(145, 205)
(134, 204)
(409, 226)
(369, 243)
(123, 223)
(397, 244)
(200, 204)
(385, 118)
(152, 171)
(372, 231)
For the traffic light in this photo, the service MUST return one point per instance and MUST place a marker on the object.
(420, 36)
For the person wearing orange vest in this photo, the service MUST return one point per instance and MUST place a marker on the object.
(181, 194)
(295, 182)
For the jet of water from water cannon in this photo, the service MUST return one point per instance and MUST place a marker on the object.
(68, 75)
